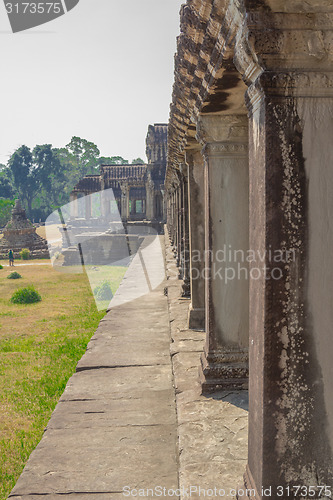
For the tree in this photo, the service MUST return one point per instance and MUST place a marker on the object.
(23, 175)
(6, 207)
(50, 173)
(82, 154)
(37, 177)
(6, 188)
(138, 161)
(112, 160)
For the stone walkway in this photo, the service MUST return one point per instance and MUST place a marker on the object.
(117, 423)
(212, 430)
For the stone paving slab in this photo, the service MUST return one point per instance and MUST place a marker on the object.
(219, 475)
(89, 460)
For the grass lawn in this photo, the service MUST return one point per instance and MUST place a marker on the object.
(40, 345)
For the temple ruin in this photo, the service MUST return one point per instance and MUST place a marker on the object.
(249, 212)
(138, 189)
(20, 233)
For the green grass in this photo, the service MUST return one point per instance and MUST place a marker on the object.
(40, 346)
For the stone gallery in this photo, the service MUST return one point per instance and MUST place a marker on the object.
(249, 208)
(137, 189)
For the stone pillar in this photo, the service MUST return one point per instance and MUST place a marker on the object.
(179, 228)
(196, 197)
(105, 203)
(291, 314)
(225, 358)
(186, 288)
(123, 201)
(128, 203)
(74, 207)
(149, 197)
(87, 207)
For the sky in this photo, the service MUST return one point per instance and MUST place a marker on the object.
(103, 72)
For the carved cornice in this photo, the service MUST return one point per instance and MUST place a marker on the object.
(289, 84)
(226, 128)
(225, 150)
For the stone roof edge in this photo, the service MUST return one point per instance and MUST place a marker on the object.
(207, 39)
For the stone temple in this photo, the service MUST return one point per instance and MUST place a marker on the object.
(110, 212)
(20, 233)
(138, 189)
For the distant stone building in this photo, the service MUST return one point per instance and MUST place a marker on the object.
(20, 233)
(138, 189)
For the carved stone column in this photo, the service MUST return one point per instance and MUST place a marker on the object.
(291, 213)
(149, 197)
(180, 203)
(186, 288)
(87, 205)
(225, 358)
(124, 202)
(74, 205)
(196, 197)
(106, 198)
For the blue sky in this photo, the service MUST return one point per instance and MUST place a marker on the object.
(103, 71)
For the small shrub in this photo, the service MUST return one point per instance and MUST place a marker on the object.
(25, 253)
(26, 295)
(103, 292)
(14, 276)
(1, 267)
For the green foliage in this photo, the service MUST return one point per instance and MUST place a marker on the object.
(138, 161)
(112, 160)
(1, 267)
(25, 253)
(81, 155)
(27, 295)
(44, 177)
(14, 276)
(103, 292)
(6, 207)
(6, 188)
(35, 174)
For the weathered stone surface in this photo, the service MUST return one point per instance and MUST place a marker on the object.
(114, 457)
(220, 475)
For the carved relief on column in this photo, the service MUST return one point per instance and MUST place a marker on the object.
(224, 363)
(290, 101)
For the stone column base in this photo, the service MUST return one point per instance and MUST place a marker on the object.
(196, 319)
(186, 288)
(248, 491)
(224, 370)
